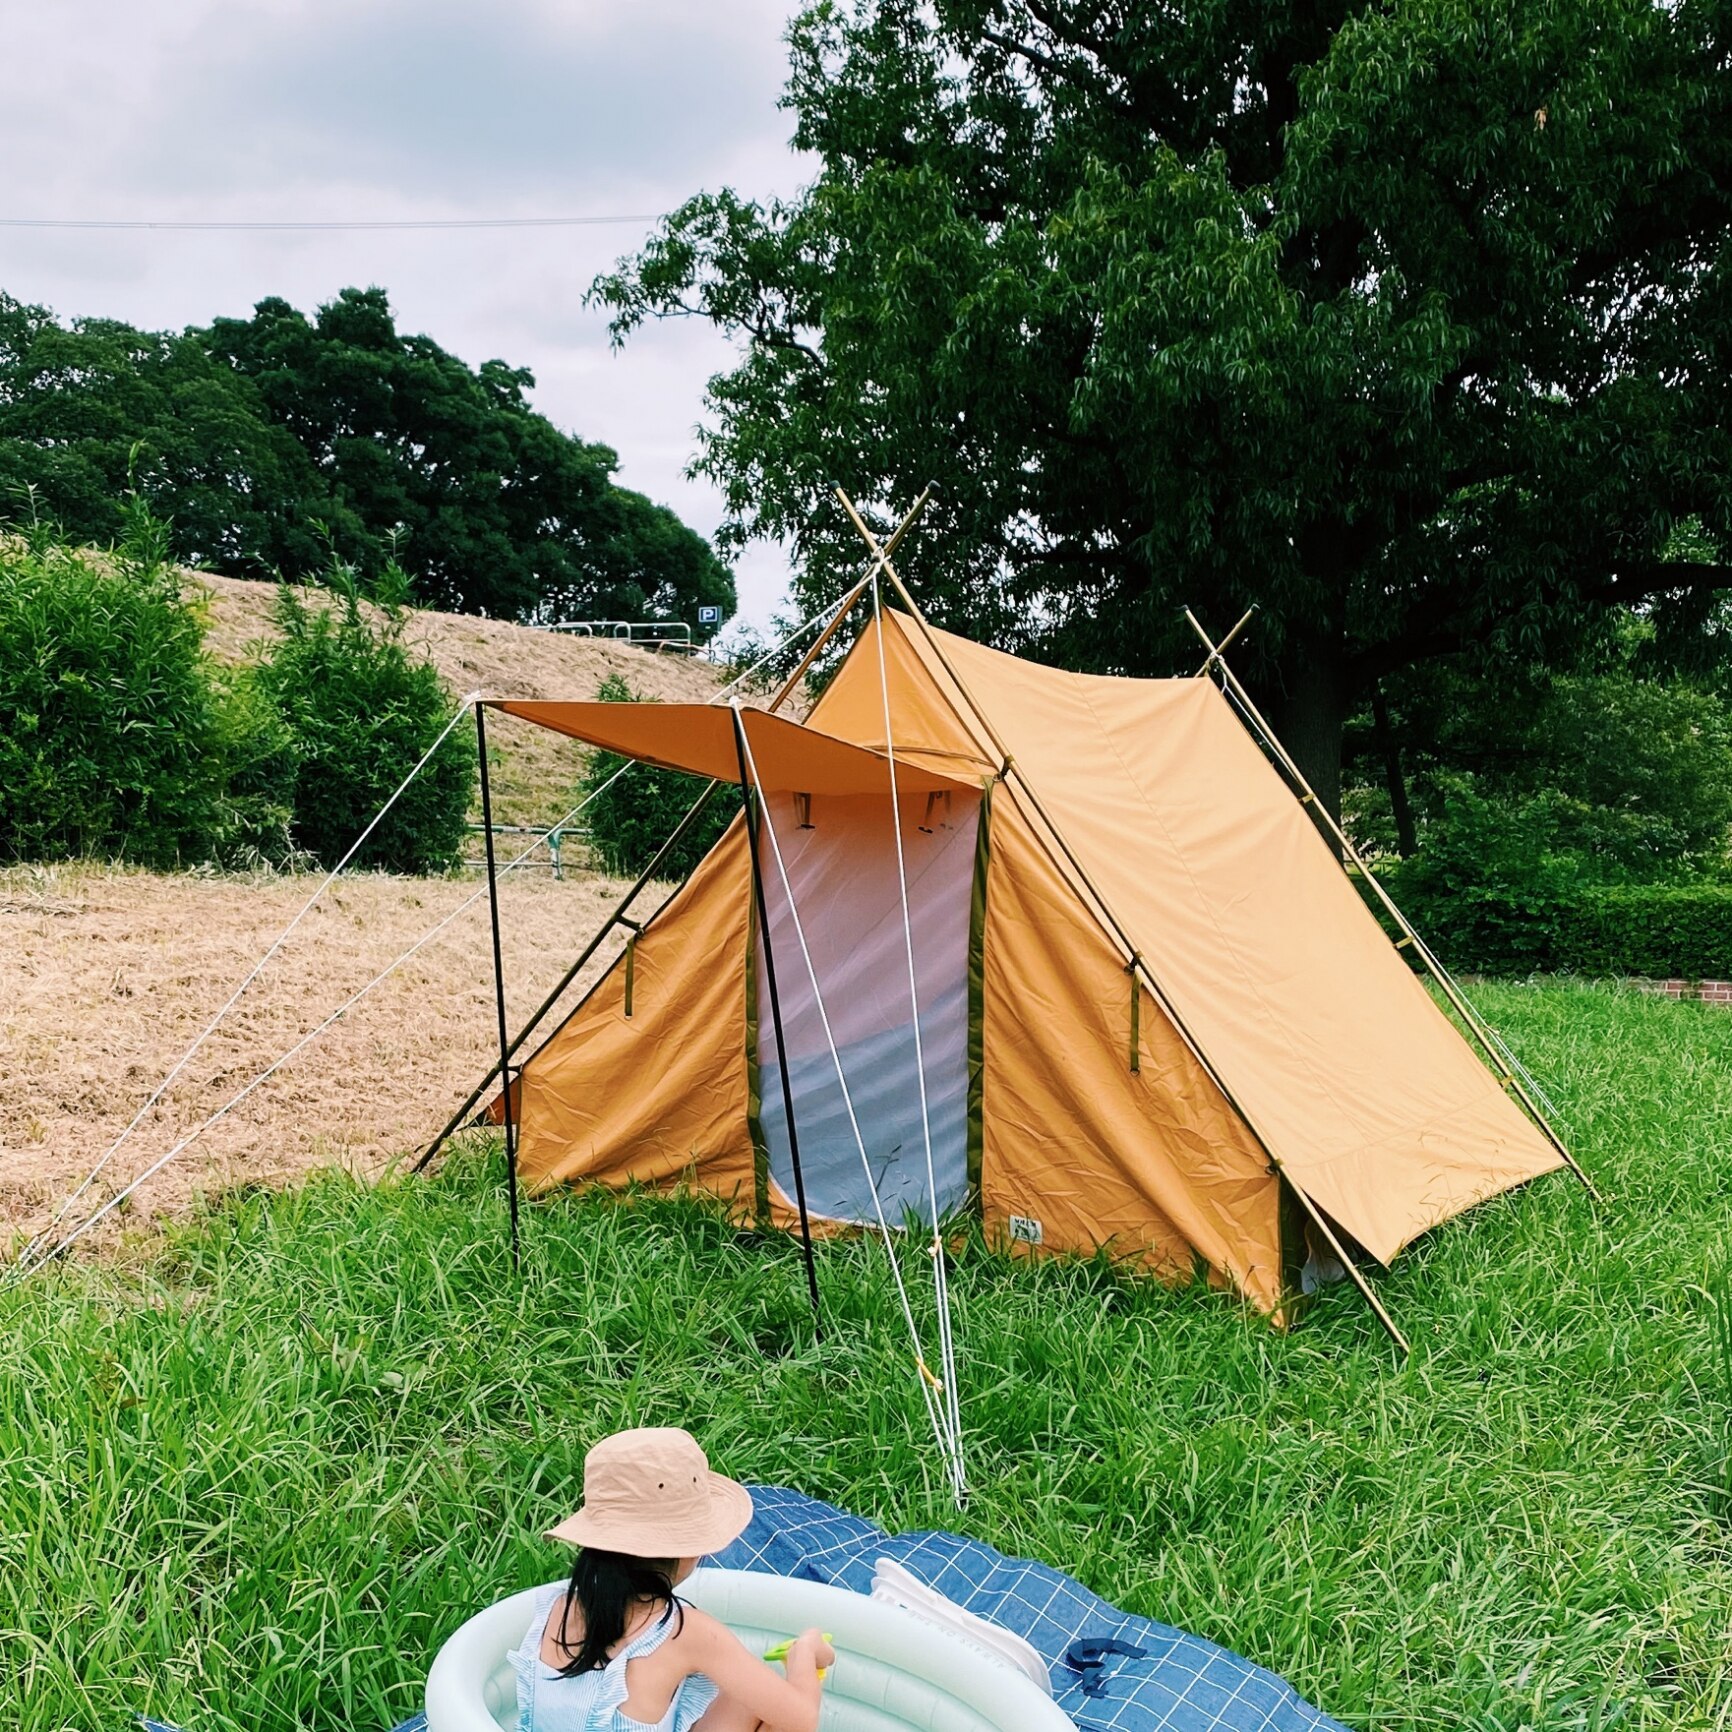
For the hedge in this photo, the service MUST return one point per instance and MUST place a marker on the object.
(1649, 931)
(1660, 931)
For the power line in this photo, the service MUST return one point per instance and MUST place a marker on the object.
(553, 222)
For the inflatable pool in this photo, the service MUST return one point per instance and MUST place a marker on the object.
(894, 1672)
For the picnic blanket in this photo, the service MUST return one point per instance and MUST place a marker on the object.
(1173, 1682)
(1110, 1672)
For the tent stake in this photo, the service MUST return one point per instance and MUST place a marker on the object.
(1421, 949)
(1103, 912)
(499, 985)
(751, 816)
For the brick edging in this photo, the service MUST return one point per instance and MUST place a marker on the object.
(1706, 991)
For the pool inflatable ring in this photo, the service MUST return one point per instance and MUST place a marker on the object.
(893, 1672)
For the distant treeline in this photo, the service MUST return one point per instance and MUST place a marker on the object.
(272, 443)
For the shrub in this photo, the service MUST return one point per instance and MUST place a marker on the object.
(1651, 931)
(360, 710)
(1490, 890)
(262, 760)
(628, 822)
(1660, 931)
(113, 732)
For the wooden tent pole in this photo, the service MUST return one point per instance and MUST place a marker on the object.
(1220, 649)
(1505, 1074)
(1115, 929)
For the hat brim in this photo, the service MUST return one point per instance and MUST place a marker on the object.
(644, 1536)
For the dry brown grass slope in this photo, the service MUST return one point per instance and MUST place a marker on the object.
(534, 771)
(111, 973)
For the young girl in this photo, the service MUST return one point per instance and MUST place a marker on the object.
(618, 1651)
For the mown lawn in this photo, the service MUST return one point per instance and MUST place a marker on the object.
(250, 1475)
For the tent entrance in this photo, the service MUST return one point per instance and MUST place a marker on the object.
(840, 857)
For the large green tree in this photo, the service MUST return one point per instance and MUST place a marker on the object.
(265, 441)
(91, 411)
(502, 512)
(1406, 321)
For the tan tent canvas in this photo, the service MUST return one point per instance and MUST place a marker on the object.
(1151, 1012)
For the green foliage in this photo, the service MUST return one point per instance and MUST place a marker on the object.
(114, 736)
(1408, 323)
(1628, 775)
(263, 761)
(258, 1472)
(360, 710)
(94, 411)
(1660, 931)
(1492, 896)
(264, 440)
(1490, 890)
(630, 820)
(503, 513)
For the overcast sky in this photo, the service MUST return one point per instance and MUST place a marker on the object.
(262, 110)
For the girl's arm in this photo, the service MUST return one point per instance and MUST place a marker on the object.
(789, 1704)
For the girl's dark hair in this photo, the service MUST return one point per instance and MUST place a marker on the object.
(605, 1586)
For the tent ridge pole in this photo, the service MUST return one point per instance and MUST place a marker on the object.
(1411, 937)
(499, 985)
(1014, 777)
(747, 790)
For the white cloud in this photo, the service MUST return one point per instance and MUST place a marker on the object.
(368, 109)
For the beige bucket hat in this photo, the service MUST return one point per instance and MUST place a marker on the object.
(650, 1493)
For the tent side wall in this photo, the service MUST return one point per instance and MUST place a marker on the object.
(658, 1097)
(1151, 1163)
(1350, 1075)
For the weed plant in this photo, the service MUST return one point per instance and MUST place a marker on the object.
(255, 1470)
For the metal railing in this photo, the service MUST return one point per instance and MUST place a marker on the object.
(553, 840)
(650, 634)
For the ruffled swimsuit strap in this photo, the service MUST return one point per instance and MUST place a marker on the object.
(691, 1699)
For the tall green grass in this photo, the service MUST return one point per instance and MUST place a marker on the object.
(252, 1474)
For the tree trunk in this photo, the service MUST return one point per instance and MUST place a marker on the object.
(1406, 837)
(1307, 710)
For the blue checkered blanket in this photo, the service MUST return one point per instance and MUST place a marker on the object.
(1177, 1683)
(1110, 1672)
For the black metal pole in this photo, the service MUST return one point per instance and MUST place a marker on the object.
(499, 983)
(776, 1013)
(571, 974)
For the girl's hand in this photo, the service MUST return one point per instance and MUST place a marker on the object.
(813, 1642)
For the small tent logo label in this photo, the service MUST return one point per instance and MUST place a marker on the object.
(1026, 1228)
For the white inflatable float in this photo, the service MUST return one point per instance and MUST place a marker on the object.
(895, 1670)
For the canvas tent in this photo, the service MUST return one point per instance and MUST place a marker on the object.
(1153, 1014)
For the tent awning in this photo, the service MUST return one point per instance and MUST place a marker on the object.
(787, 756)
